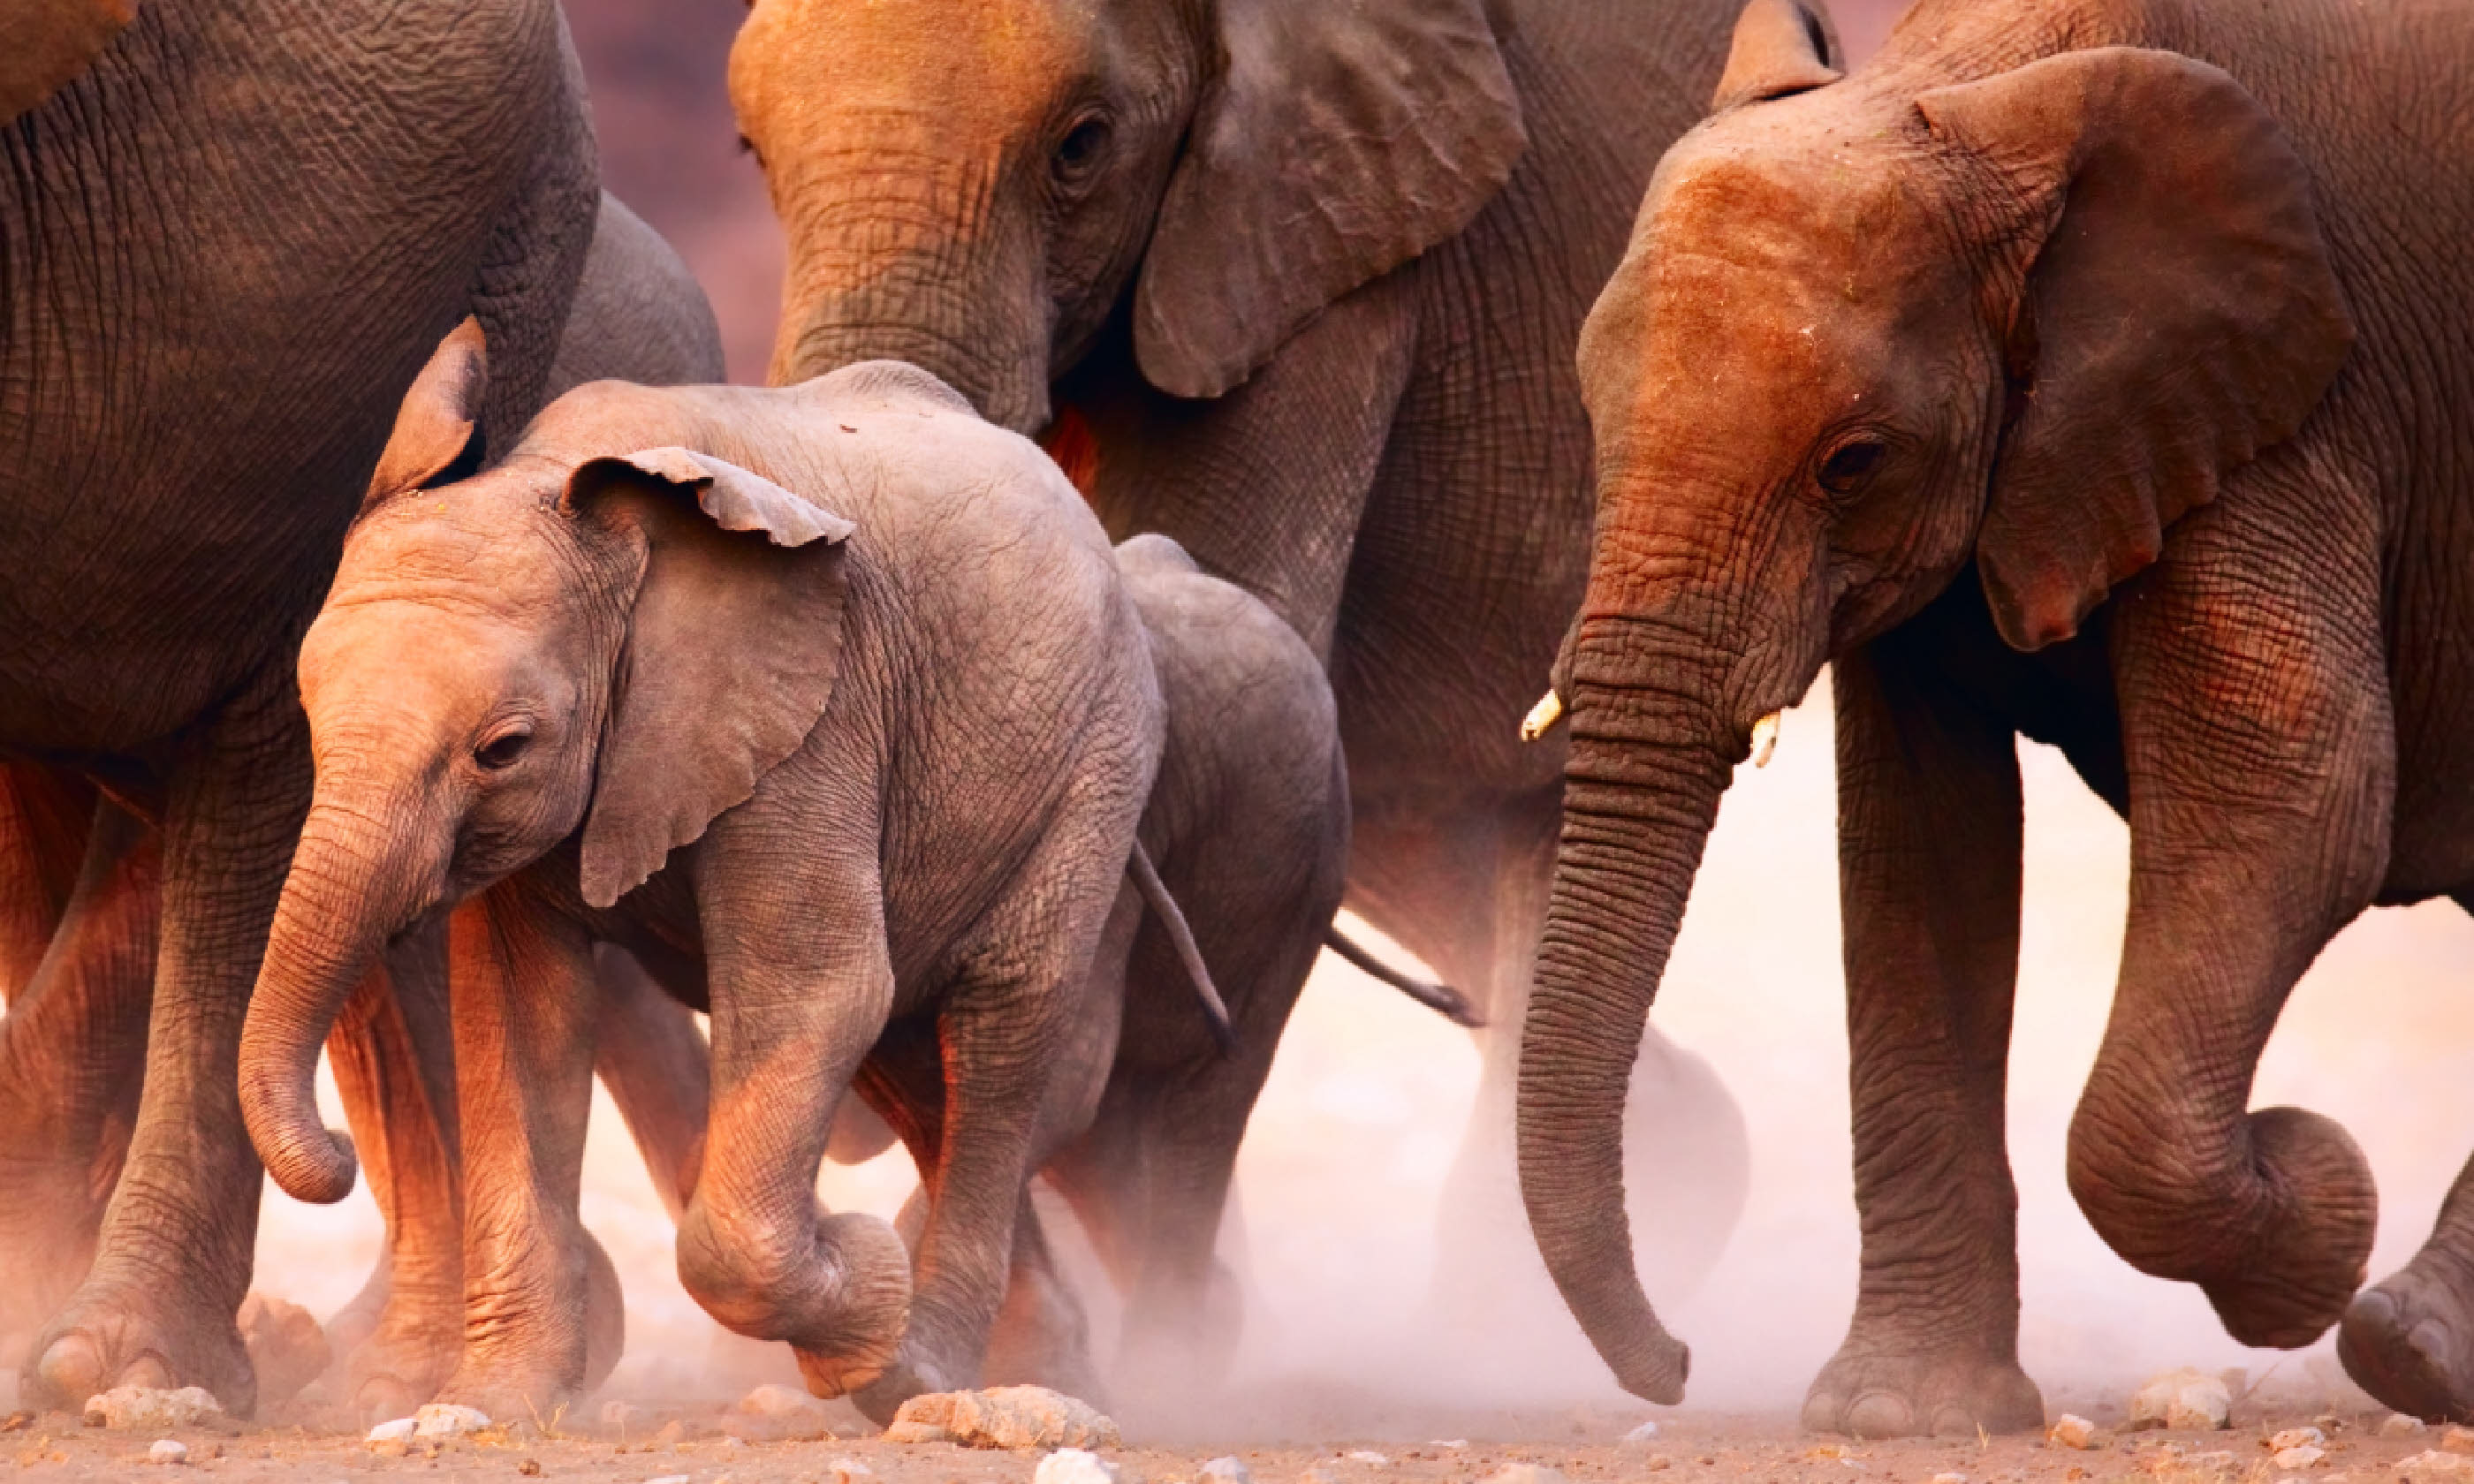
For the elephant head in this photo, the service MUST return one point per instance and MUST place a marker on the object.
(1869, 332)
(44, 43)
(975, 186)
(611, 647)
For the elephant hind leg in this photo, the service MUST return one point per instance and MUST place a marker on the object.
(2409, 1339)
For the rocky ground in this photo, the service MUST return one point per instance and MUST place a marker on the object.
(774, 1437)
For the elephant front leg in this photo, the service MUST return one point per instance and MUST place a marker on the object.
(174, 1254)
(2409, 1339)
(536, 1288)
(393, 1055)
(2260, 753)
(800, 985)
(72, 1054)
(1929, 847)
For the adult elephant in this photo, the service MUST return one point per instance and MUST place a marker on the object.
(230, 234)
(2076, 370)
(1296, 285)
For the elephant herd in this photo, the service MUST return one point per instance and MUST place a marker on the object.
(408, 650)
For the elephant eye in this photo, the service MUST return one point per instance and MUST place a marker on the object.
(1080, 153)
(1852, 464)
(502, 749)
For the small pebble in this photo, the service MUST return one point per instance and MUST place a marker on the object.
(669, 1478)
(1950, 1478)
(774, 1399)
(1646, 1432)
(395, 1431)
(2073, 1431)
(2299, 1457)
(447, 1419)
(1368, 1456)
(1227, 1471)
(168, 1451)
(1073, 1466)
(2298, 1437)
(2400, 1426)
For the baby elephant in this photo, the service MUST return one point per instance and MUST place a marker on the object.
(869, 751)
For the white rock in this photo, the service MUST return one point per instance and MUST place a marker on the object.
(151, 1407)
(2400, 1426)
(848, 1470)
(2073, 1431)
(391, 1433)
(1449, 1442)
(1227, 1471)
(2299, 1457)
(168, 1451)
(1073, 1466)
(2180, 1400)
(2433, 1461)
(1646, 1432)
(2298, 1437)
(447, 1419)
(1526, 1474)
(777, 1402)
(1950, 1478)
(1368, 1456)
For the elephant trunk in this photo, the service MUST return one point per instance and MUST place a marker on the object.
(339, 905)
(1646, 768)
(926, 271)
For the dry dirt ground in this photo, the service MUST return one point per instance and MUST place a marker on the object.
(1354, 1443)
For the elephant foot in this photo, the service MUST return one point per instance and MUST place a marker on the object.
(2409, 1342)
(1897, 1395)
(546, 1355)
(47, 1238)
(402, 1358)
(882, 1395)
(112, 1337)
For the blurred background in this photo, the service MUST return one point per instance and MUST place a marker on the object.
(1347, 1156)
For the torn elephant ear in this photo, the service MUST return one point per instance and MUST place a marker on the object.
(733, 641)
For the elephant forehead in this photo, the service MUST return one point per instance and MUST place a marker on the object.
(463, 547)
(988, 61)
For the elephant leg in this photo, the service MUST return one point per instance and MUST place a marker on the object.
(2409, 1339)
(801, 983)
(72, 1059)
(1006, 1027)
(1928, 849)
(653, 1058)
(45, 818)
(172, 1259)
(393, 1055)
(526, 1000)
(1041, 1335)
(2261, 755)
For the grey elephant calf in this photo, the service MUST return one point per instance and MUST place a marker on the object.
(870, 752)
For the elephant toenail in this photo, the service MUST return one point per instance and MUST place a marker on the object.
(146, 1370)
(1880, 1414)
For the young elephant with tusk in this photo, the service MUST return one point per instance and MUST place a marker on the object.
(829, 705)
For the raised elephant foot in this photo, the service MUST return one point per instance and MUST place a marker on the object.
(109, 1336)
(1895, 1395)
(2410, 1341)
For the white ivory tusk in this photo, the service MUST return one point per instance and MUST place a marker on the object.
(1765, 739)
(1541, 717)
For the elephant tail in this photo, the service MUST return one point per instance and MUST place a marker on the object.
(1440, 999)
(1163, 906)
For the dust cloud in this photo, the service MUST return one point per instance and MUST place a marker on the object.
(1342, 1175)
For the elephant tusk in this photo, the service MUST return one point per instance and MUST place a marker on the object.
(1541, 717)
(1765, 733)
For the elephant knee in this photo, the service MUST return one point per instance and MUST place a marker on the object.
(838, 1285)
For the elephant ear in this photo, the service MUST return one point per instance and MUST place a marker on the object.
(435, 428)
(733, 643)
(1339, 141)
(2180, 315)
(1781, 47)
(45, 43)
